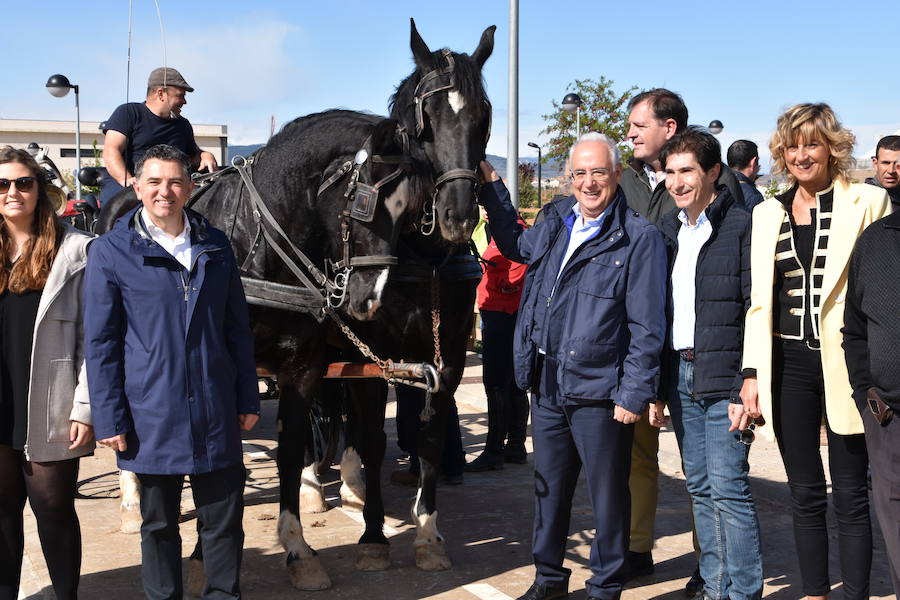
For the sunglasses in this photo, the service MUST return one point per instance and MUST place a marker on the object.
(748, 435)
(23, 184)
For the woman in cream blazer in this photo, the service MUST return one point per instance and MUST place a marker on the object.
(45, 421)
(795, 375)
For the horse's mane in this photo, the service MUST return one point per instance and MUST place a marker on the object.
(469, 83)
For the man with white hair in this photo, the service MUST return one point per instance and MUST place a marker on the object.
(587, 344)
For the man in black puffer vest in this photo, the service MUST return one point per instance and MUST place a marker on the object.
(708, 242)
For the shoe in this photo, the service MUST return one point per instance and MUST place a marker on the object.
(694, 587)
(486, 461)
(546, 591)
(637, 564)
(515, 454)
(405, 477)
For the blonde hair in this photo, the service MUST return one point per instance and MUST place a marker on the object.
(30, 272)
(813, 122)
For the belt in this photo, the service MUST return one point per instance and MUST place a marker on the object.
(687, 355)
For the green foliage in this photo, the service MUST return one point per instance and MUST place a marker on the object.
(527, 192)
(774, 188)
(603, 110)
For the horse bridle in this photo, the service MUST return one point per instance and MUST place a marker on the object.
(445, 77)
(362, 200)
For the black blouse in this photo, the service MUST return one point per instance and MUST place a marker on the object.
(18, 313)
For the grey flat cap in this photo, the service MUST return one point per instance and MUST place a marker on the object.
(165, 76)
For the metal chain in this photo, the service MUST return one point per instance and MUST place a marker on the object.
(386, 366)
(436, 322)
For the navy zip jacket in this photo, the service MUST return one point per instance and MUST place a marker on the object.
(721, 301)
(604, 322)
(169, 350)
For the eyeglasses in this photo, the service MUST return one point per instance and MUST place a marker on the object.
(597, 175)
(748, 435)
(23, 184)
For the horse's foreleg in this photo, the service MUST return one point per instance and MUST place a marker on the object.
(130, 502)
(366, 432)
(304, 567)
(429, 543)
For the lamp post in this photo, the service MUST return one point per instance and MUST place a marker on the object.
(538, 148)
(572, 104)
(59, 86)
(715, 127)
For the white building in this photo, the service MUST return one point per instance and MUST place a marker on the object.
(59, 138)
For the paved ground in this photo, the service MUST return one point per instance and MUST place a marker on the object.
(487, 523)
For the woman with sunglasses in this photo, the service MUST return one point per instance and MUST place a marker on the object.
(794, 367)
(45, 423)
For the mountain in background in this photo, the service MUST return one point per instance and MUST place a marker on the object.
(499, 162)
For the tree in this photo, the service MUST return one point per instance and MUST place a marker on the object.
(527, 192)
(602, 110)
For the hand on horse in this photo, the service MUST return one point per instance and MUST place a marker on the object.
(487, 172)
(80, 434)
(623, 415)
(208, 162)
(247, 422)
(116, 442)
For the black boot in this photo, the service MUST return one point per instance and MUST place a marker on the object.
(492, 457)
(517, 418)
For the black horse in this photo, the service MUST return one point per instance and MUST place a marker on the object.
(432, 287)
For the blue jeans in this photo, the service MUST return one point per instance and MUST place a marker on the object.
(717, 473)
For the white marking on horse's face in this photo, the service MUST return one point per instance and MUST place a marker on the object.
(398, 201)
(379, 287)
(456, 100)
(290, 534)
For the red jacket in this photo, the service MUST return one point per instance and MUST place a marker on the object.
(501, 286)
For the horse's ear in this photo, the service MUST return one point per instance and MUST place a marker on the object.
(485, 46)
(421, 53)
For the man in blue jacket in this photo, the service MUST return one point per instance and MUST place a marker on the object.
(587, 344)
(171, 372)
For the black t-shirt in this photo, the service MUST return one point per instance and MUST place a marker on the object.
(18, 313)
(145, 129)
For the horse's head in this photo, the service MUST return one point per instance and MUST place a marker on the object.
(444, 103)
(387, 181)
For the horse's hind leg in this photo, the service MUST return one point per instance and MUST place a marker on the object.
(365, 431)
(304, 567)
(429, 543)
(353, 486)
(312, 496)
(130, 503)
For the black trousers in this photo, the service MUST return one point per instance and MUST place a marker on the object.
(799, 408)
(219, 498)
(883, 443)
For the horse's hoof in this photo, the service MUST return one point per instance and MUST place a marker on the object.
(131, 520)
(432, 557)
(350, 500)
(196, 578)
(307, 573)
(373, 557)
(312, 500)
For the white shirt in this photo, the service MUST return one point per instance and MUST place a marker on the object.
(651, 175)
(179, 246)
(582, 231)
(684, 279)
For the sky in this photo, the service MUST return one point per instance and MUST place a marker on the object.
(741, 63)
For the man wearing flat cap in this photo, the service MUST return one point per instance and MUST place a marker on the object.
(136, 126)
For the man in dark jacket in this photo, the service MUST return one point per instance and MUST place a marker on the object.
(743, 159)
(654, 117)
(708, 240)
(587, 343)
(171, 373)
(887, 168)
(871, 338)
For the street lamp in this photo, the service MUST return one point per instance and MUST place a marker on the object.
(715, 127)
(59, 86)
(572, 104)
(538, 148)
